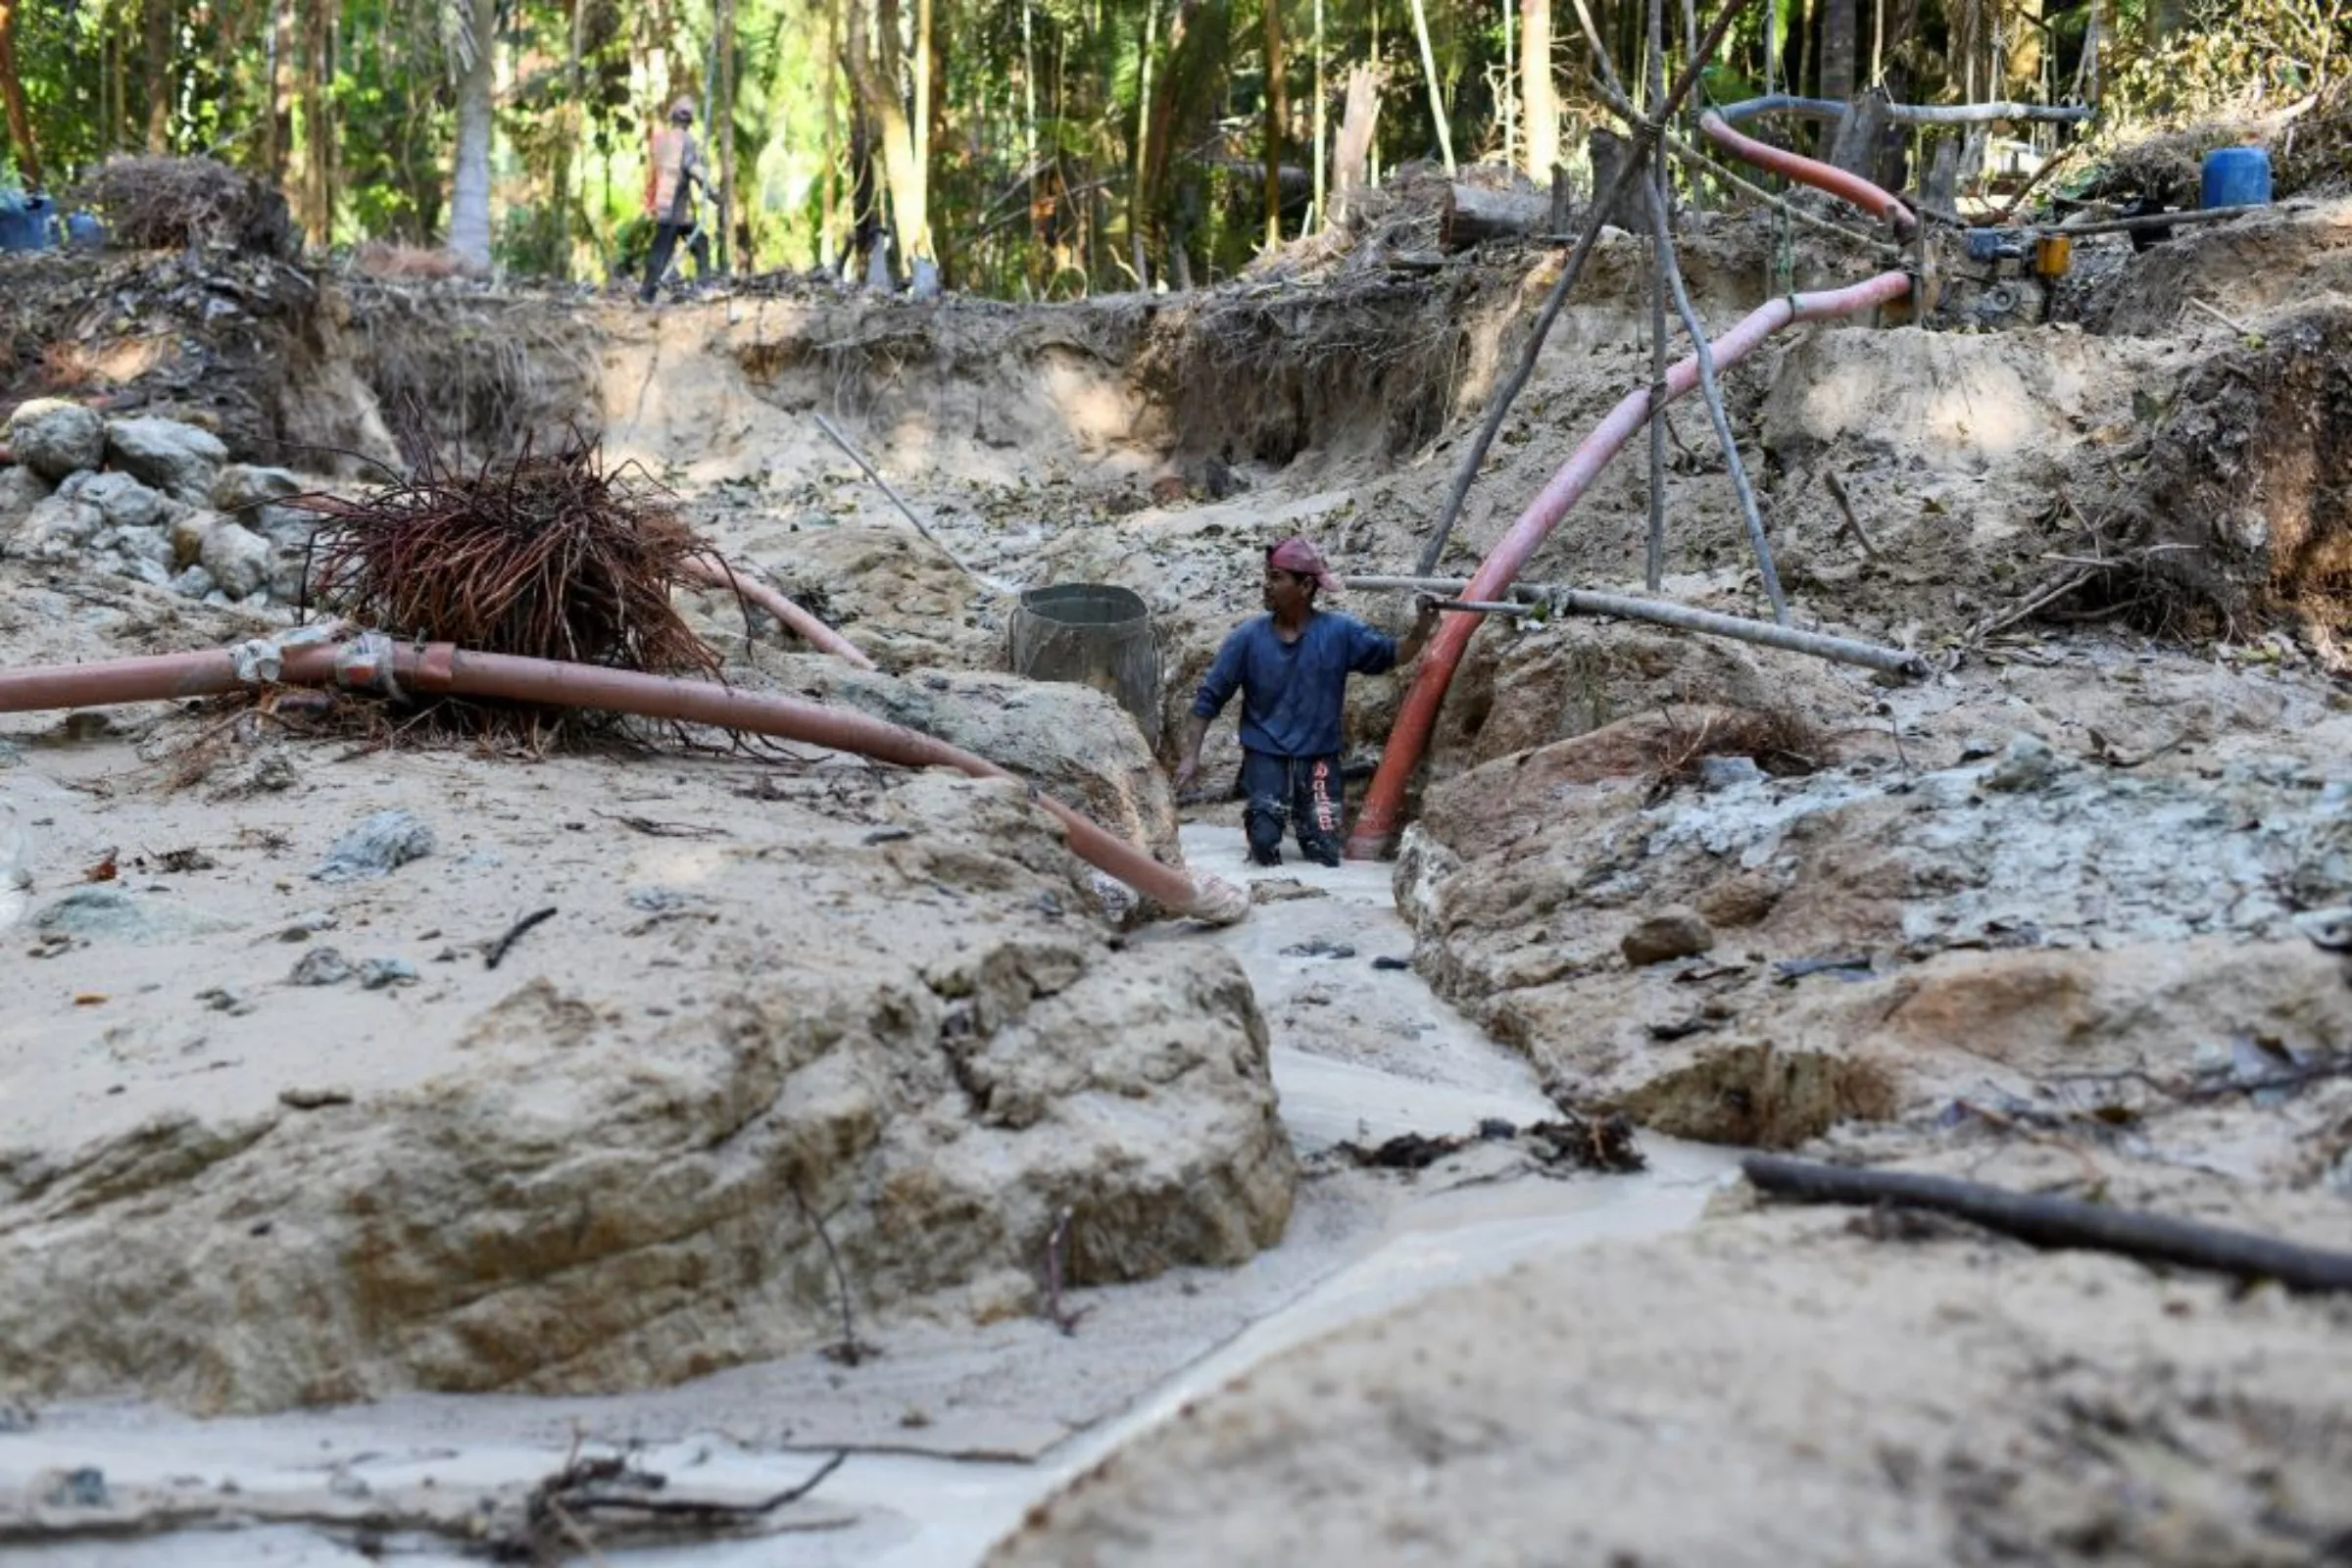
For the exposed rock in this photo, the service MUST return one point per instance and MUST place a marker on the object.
(241, 485)
(1523, 876)
(57, 528)
(379, 846)
(55, 438)
(194, 581)
(568, 1196)
(187, 534)
(1069, 739)
(21, 490)
(239, 560)
(113, 913)
(16, 882)
(321, 966)
(1727, 772)
(1673, 932)
(2026, 762)
(120, 499)
(179, 459)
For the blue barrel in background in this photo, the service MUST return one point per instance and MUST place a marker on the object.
(2237, 177)
(25, 223)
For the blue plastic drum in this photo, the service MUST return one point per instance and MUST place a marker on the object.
(2237, 177)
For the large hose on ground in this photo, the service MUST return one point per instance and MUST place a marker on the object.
(374, 661)
(1383, 813)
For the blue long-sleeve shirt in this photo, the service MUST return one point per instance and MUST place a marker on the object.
(1291, 692)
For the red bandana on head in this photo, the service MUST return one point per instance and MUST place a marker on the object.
(1295, 555)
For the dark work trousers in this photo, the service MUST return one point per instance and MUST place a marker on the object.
(1302, 791)
(666, 245)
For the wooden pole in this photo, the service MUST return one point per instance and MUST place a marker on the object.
(1429, 73)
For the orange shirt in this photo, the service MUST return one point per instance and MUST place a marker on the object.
(674, 157)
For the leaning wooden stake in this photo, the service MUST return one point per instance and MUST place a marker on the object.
(1671, 272)
(1637, 158)
(1712, 391)
(2061, 1222)
(842, 441)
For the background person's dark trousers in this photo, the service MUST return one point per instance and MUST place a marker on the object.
(666, 245)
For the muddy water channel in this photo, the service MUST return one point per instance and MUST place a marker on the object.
(994, 1417)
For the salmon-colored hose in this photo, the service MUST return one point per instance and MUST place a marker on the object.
(1383, 811)
(810, 631)
(1872, 199)
(442, 668)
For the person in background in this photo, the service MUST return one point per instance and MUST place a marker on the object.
(671, 171)
(1290, 665)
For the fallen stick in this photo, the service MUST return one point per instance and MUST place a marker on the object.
(1845, 509)
(804, 625)
(2230, 322)
(1636, 159)
(2061, 1222)
(908, 511)
(498, 948)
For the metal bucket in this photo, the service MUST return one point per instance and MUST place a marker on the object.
(1096, 635)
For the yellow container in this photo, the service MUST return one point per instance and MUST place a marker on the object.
(2053, 254)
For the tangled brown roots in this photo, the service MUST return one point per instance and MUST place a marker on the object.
(163, 203)
(546, 557)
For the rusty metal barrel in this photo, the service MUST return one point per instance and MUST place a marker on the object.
(1095, 634)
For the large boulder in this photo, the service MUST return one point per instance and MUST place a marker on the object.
(892, 1023)
(55, 438)
(2009, 907)
(240, 560)
(124, 500)
(21, 490)
(57, 528)
(1070, 741)
(242, 485)
(179, 459)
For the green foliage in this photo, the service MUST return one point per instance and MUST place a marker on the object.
(579, 80)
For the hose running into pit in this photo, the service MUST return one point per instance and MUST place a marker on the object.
(1383, 815)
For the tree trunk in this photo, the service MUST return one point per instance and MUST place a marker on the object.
(318, 187)
(723, 132)
(877, 77)
(1437, 99)
(1353, 147)
(829, 195)
(1538, 104)
(1138, 219)
(1274, 116)
(1838, 41)
(12, 90)
(1320, 212)
(1473, 215)
(159, 28)
(470, 177)
(2025, 51)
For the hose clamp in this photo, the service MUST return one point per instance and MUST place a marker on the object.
(365, 664)
(261, 660)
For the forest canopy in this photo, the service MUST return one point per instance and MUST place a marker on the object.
(1029, 148)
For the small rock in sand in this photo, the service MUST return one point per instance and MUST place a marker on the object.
(382, 841)
(322, 966)
(1673, 932)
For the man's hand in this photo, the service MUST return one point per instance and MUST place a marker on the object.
(1425, 621)
(1187, 771)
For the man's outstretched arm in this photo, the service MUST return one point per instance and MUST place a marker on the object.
(1425, 623)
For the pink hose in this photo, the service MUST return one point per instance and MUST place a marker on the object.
(810, 631)
(1383, 813)
(1853, 188)
(443, 667)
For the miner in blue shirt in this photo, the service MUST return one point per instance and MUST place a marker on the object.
(1290, 665)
